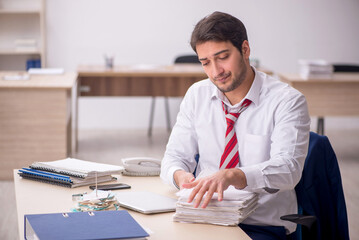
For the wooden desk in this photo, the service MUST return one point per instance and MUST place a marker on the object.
(35, 120)
(139, 80)
(338, 96)
(34, 197)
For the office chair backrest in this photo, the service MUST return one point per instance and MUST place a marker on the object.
(320, 191)
(345, 68)
(187, 59)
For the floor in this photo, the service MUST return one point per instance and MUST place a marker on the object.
(111, 146)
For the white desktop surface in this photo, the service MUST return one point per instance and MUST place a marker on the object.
(35, 197)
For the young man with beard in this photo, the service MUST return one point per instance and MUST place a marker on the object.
(249, 129)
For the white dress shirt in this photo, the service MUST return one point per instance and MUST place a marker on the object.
(272, 133)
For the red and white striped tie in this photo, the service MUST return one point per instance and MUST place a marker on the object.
(230, 157)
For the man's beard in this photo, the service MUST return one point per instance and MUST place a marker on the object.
(237, 81)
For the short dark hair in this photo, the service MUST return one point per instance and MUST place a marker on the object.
(219, 27)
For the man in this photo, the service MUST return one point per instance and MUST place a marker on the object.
(248, 128)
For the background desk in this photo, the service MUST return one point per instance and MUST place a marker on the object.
(140, 80)
(338, 96)
(34, 197)
(35, 120)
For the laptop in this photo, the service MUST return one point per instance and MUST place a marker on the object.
(146, 202)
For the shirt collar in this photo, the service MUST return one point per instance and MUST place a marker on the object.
(253, 93)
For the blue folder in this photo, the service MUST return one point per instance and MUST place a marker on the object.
(83, 225)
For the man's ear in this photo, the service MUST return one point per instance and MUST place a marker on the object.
(246, 51)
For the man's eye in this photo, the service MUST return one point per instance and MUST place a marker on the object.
(223, 57)
(204, 63)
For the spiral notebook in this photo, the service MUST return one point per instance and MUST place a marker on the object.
(62, 180)
(78, 168)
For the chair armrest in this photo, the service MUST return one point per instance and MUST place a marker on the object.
(307, 221)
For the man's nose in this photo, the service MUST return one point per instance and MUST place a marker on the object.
(217, 69)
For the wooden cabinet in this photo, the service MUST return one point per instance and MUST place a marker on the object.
(36, 120)
(22, 33)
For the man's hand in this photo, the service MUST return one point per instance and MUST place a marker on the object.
(217, 182)
(181, 177)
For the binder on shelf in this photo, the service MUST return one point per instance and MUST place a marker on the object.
(83, 225)
(33, 63)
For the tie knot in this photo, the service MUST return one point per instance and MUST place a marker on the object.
(232, 118)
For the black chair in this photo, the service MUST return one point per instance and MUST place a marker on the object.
(179, 60)
(339, 67)
(187, 59)
(320, 195)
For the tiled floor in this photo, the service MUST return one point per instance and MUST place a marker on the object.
(111, 146)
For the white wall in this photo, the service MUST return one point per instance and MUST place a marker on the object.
(155, 31)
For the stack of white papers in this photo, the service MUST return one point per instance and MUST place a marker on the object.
(315, 69)
(236, 206)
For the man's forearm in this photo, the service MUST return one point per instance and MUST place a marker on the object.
(180, 177)
(237, 178)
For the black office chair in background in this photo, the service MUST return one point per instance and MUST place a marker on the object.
(340, 67)
(178, 60)
(187, 59)
(320, 195)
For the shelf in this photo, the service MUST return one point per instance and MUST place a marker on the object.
(20, 11)
(16, 52)
(22, 33)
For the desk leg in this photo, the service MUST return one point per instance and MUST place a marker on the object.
(320, 125)
(167, 109)
(77, 115)
(149, 133)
